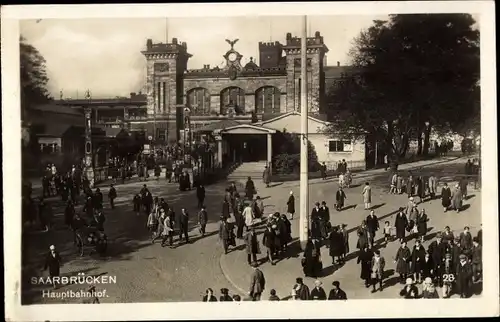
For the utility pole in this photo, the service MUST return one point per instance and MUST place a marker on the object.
(304, 169)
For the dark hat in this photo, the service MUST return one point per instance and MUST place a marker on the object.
(299, 280)
(475, 239)
(224, 291)
(336, 283)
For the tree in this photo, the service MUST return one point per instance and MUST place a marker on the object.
(33, 81)
(412, 73)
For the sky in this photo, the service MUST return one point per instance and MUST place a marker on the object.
(104, 55)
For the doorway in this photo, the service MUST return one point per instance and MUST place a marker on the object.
(247, 147)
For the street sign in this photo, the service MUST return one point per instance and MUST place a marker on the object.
(146, 149)
(150, 137)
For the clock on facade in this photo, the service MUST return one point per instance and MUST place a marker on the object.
(232, 57)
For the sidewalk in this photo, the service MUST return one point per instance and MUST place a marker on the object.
(281, 277)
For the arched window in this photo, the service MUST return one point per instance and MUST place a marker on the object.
(267, 100)
(232, 96)
(198, 101)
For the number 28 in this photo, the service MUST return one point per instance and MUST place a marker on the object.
(448, 278)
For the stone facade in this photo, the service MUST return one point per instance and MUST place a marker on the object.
(167, 68)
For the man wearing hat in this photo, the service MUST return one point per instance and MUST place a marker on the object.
(225, 297)
(464, 277)
(301, 289)
(318, 293)
(477, 260)
(257, 284)
(290, 204)
(336, 293)
(53, 263)
(437, 250)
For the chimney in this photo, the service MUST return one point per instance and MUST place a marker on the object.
(184, 45)
(174, 41)
(149, 44)
(338, 64)
(132, 95)
(208, 66)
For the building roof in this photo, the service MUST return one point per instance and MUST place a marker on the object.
(266, 118)
(218, 125)
(54, 107)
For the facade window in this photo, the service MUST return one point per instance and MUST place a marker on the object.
(339, 146)
(234, 96)
(267, 100)
(198, 101)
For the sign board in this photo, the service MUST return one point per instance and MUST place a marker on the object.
(146, 149)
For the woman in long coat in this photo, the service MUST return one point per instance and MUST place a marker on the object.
(422, 220)
(285, 227)
(365, 258)
(250, 189)
(446, 197)
(290, 204)
(400, 224)
(266, 176)
(402, 260)
(456, 200)
(421, 188)
(345, 239)
(362, 233)
(417, 261)
(311, 262)
(336, 244)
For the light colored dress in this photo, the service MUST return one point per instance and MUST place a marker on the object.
(367, 194)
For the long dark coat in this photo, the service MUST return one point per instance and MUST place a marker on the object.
(53, 263)
(268, 239)
(422, 224)
(365, 259)
(345, 238)
(362, 238)
(318, 294)
(336, 244)
(446, 197)
(417, 259)
(225, 209)
(401, 223)
(464, 278)
(312, 263)
(291, 204)
(372, 223)
(250, 189)
(403, 257)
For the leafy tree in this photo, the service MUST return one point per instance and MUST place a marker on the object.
(412, 73)
(288, 158)
(33, 82)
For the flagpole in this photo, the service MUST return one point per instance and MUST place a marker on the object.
(304, 174)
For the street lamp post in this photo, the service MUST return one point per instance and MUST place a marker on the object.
(187, 130)
(304, 168)
(89, 169)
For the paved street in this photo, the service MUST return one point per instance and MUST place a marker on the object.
(150, 273)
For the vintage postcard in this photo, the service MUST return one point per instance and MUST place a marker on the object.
(160, 156)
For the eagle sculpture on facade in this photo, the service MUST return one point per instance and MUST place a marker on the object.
(231, 43)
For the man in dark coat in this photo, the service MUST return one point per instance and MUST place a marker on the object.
(302, 290)
(464, 277)
(224, 233)
(364, 258)
(53, 263)
(466, 241)
(437, 250)
(257, 284)
(336, 292)
(336, 245)
(112, 196)
(372, 226)
(183, 224)
(340, 198)
(97, 199)
(252, 246)
(269, 242)
(202, 220)
(291, 205)
(200, 194)
(316, 211)
(318, 293)
(400, 224)
(325, 215)
(476, 260)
